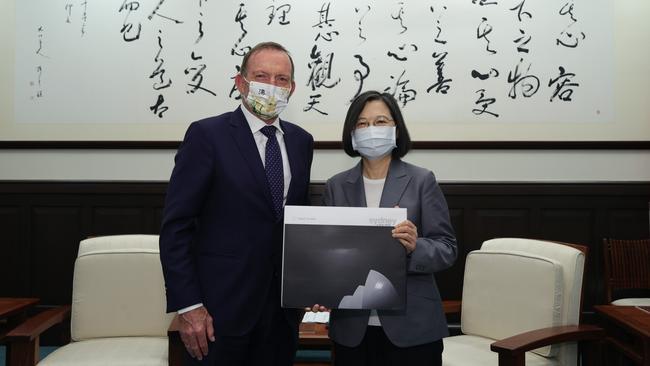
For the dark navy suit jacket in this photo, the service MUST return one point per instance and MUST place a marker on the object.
(220, 242)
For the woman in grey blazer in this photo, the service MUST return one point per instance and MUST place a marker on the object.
(374, 129)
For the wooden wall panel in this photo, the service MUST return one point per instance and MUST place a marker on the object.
(447, 280)
(117, 220)
(499, 222)
(43, 222)
(54, 242)
(570, 225)
(626, 223)
(14, 251)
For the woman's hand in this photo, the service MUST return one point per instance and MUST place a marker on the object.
(407, 234)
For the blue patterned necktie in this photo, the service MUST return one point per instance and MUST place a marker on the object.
(273, 167)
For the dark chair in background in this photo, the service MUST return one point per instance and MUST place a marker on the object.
(627, 271)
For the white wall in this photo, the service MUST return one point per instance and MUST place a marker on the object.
(448, 165)
(633, 117)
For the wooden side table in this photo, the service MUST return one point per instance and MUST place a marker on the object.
(13, 311)
(627, 330)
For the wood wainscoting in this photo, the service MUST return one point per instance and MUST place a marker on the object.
(42, 222)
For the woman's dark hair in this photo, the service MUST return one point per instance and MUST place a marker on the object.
(403, 139)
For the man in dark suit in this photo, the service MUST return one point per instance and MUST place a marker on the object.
(221, 236)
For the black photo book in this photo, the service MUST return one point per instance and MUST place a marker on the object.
(343, 258)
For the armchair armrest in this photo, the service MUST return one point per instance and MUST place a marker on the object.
(176, 349)
(512, 350)
(22, 341)
(451, 306)
(33, 327)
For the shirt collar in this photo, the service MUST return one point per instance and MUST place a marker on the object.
(256, 124)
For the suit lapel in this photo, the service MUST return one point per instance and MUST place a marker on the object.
(396, 183)
(353, 189)
(241, 132)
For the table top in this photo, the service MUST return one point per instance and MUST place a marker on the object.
(631, 317)
(10, 306)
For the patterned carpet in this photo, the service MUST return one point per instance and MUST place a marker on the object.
(303, 356)
(44, 351)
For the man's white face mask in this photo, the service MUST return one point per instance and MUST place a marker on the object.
(267, 100)
(374, 142)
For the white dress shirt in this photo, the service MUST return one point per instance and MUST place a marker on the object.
(256, 125)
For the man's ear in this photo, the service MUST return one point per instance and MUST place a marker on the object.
(293, 87)
(241, 84)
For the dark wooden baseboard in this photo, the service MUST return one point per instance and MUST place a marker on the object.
(41, 224)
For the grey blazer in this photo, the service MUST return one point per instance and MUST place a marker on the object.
(416, 189)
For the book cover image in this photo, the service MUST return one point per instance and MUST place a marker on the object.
(343, 266)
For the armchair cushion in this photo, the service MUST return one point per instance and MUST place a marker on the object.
(632, 301)
(467, 350)
(118, 289)
(123, 351)
(533, 298)
(571, 259)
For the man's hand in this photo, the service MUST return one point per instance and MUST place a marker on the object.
(317, 308)
(196, 328)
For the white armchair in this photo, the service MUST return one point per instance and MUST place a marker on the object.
(521, 297)
(118, 306)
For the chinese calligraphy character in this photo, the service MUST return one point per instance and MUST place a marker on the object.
(569, 39)
(360, 76)
(283, 9)
(413, 47)
(159, 72)
(321, 69)
(482, 31)
(39, 92)
(492, 73)
(159, 109)
(405, 95)
(127, 28)
(356, 10)
(442, 85)
(155, 12)
(324, 19)
(312, 104)
(239, 18)
(437, 39)
(398, 16)
(484, 103)
(39, 51)
(84, 18)
(522, 42)
(197, 76)
(233, 89)
(520, 11)
(68, 7)
(563, 88)
(529, 84)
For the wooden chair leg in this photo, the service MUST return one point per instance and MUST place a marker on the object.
(22, 353)
(591, 352)
(518, 359)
